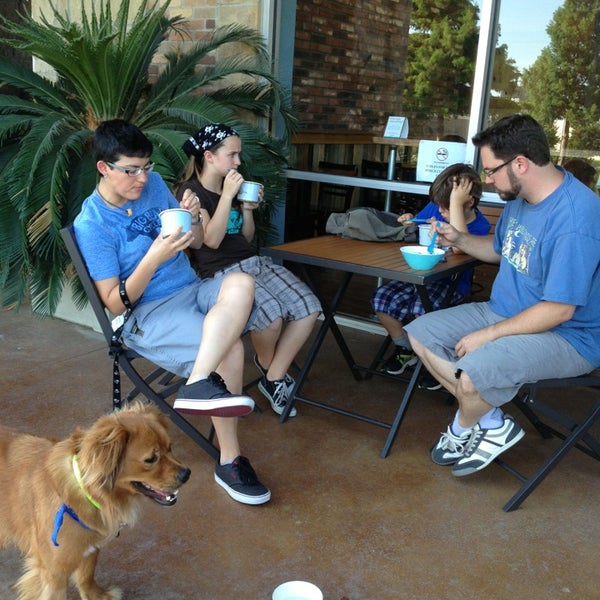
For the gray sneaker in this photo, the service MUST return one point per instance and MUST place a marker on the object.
(486, 445)
(211, 398)
(450, 447)
(276, 392)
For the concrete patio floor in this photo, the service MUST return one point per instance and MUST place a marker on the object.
(360, 527)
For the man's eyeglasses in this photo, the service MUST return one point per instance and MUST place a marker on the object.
(490, 172)
(132, 172)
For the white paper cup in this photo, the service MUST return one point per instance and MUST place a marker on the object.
(297, 590)
(249, 191)
(172, 218)
(424, 238)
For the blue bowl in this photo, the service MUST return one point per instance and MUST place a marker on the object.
(418, 257)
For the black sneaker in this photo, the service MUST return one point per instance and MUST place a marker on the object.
(239, 480)
(276, 392)
(428, 382)
(399, 361)
(211, 397)
(289, 380)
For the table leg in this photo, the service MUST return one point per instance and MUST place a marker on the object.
(390, 177)
(327, 324)
(401, 410)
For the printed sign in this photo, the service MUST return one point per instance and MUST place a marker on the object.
(434, 157)
(397, 127)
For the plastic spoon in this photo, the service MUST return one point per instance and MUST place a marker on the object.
(431, 246)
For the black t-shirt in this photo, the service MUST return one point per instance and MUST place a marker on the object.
(234, 247)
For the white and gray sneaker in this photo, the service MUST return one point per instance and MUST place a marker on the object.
(450, 447)
(276, 392)
(487, 444)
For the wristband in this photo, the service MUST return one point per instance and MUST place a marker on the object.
(124, 297)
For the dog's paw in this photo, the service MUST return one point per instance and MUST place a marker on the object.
(112, 594)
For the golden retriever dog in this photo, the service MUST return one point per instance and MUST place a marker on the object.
(60, 501)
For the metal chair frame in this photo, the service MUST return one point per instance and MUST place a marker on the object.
(159, 385)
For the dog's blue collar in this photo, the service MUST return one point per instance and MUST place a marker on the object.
(58, 520)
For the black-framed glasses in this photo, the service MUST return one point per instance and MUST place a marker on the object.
(132, 172)
(490, 172)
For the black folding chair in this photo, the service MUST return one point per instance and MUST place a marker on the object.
(575, 434)
(159, 384)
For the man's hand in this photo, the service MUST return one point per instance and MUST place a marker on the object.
(472, 341)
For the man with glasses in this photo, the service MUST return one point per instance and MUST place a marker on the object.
(543, 317)
(188, 326)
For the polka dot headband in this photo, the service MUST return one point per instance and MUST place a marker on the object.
(208, 137)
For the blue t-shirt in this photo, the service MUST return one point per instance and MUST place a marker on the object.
(551, 251)
(113, 243)
(478, 226)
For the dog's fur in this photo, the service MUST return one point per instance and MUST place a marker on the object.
(122, 457)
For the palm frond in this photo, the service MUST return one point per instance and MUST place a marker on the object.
(102, 64)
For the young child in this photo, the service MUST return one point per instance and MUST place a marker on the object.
(453, 196)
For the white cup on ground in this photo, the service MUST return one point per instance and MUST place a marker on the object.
(424, 238)
(249, 191)
(172, 218)
(297, 590)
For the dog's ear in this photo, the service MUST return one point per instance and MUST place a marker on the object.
(101, 452)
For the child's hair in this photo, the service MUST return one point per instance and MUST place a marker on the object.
(116, 138)
(583, 170)
(441, 188)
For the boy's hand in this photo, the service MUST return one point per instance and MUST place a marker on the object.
(405, 217)
(461, 191)
(164, 248)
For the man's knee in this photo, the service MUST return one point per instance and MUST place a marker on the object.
(464, 385)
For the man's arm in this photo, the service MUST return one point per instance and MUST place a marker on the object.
(479, 246)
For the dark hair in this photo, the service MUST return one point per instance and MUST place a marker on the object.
(116, 138)
(582, 170)
(516, 135)
(441, 188)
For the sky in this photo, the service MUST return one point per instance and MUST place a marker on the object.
(523, 28)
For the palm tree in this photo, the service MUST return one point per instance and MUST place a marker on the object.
(102, 68)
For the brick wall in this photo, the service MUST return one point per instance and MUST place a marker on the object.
(349, 62)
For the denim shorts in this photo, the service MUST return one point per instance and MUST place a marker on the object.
(168, 331)
(499, 368)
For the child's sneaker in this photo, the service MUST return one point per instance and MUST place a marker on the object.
(399, 361)
(276, 392)
(211, 397)
(289, 380)
(239, 480)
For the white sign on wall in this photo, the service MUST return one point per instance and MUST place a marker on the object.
(434, 157)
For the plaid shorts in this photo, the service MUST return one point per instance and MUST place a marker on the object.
(279, 293)
(401, 300)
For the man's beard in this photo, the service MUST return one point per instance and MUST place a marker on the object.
(515, 190)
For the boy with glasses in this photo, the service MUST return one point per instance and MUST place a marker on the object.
(188, 326)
